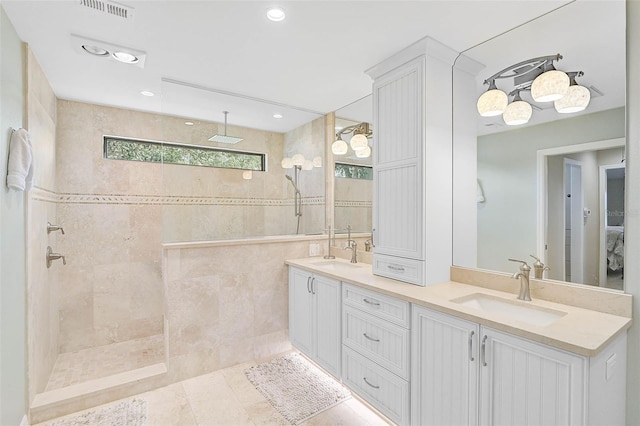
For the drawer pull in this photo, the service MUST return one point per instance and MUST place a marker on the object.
(370, 302)
(370, 338)
(367, 382)
(396, 268)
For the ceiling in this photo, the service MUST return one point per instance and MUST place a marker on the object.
(204, 57)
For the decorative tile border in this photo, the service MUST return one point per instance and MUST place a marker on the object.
(66, 198)
(347, 203)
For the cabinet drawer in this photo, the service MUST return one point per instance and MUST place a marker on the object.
(385, 343)
(382, 389)
(399, 268)
(388, 308)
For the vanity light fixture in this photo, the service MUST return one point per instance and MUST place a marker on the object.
(359, 141)
(546, 84)
(364, 153)
(577, 97)
(517, 112)
(299, 162)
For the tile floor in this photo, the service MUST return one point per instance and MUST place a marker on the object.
(226, 397)
(94, 363)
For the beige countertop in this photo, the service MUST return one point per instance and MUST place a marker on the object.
(581, 331)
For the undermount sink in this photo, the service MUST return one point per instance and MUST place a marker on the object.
(335, 265)
(515, 309)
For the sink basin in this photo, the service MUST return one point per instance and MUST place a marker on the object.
(514, 309)
(334, 265)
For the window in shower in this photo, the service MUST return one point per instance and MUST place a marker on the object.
(116, 148)
(353, 171)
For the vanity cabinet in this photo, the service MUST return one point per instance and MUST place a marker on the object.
(464, 373)
(412, 164)
(376, 350)
(314, 318)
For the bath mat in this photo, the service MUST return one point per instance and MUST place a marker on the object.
(296, 388)
(132, 412)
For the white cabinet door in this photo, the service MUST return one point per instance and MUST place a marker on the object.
(526, 383)
(398, 195)
(301, 318)
(444, 372)
(327, 295)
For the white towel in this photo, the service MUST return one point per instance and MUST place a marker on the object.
(20, 170)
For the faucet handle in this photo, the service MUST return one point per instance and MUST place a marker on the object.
(524, 267)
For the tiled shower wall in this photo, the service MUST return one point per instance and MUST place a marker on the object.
(42, 282)
(117, 213)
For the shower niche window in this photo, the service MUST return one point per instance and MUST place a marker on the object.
(189, 155)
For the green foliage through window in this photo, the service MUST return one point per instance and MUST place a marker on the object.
(171, 153)
(353, 171)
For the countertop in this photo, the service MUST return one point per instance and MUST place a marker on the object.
(581, 331)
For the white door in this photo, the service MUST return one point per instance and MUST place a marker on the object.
(526, 383)
(327, 298)
(574, 221)
(301, 323)
(444, 363)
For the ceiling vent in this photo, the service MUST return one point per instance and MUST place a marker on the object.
(110, 8)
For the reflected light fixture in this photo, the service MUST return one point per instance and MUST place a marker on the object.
(364, 153)
(546, 84)
(247, 174)
(298, 161)
(577, 97)
(517, 112)
(359, 140)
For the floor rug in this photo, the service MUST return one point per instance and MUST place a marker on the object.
(296, 388)
(132, 412)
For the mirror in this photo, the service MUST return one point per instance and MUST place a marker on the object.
(518, 205)
(353, 176)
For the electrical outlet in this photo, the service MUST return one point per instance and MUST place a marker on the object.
(314, 249)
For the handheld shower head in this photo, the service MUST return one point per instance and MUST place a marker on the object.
(292, 183)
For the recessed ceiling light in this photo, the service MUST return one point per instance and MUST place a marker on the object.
(147, 93)
(188, 123)
(95, 50)
(277, 115)
(125, 57)
(276, 14)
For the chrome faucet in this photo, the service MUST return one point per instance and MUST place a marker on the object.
(351, 245)
(539, 268)
(524, 279)
(329, 255)
(51, 228)
(367, 245)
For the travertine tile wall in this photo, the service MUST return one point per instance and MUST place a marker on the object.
(221, 313)
(117, 213)
(353, 204)
(42, 283)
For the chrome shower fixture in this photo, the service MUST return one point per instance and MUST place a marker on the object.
(224, 138)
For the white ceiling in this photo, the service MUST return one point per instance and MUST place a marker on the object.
(203, 57)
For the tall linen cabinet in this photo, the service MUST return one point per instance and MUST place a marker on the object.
(412, 214)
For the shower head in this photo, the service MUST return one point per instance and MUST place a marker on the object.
(292, 183)
(224, 138)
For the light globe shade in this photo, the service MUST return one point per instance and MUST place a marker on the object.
(550, 86)
(364, 153)
(298, 160)
(517, 112)
(576, 99)
(287, 163)
(492, 103)
(359, 142)
(339, 147)
(317, 161)
(307, 165)
(247, 175)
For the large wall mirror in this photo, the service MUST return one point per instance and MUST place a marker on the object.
(553, 187)
(353, 174)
